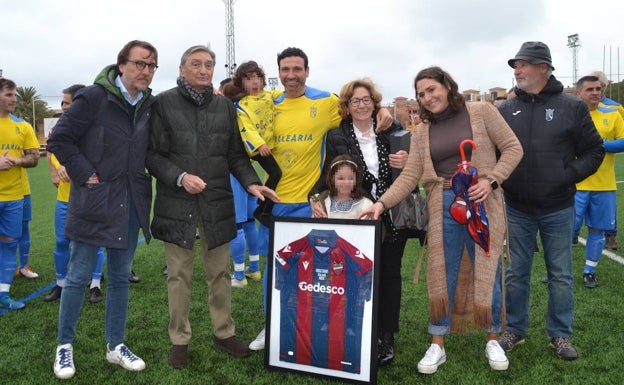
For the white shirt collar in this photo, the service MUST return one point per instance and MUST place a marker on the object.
(126, 94)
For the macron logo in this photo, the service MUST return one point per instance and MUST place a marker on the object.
(516, 113)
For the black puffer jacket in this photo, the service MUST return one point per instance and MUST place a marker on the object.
(200, 140)
(561, 147)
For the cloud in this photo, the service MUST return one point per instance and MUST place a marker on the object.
(50, 45)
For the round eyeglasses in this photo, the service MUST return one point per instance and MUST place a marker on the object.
(140, 65)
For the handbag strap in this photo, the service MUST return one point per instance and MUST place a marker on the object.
(419, 262)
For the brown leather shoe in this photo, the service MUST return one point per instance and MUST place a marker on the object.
(178, 358)
(231, 346)
(54, 294)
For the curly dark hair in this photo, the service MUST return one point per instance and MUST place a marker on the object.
(235, 89)
(455, 99)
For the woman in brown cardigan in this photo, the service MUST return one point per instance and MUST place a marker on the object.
(464, 285)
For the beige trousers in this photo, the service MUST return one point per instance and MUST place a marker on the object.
(216, 263)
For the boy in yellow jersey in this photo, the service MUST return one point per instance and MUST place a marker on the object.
(255, 113)
(19, 149)
(595, 196)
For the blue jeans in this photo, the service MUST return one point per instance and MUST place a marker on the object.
(82, 261)
(556, 233)
(455, 238)
(61, 250)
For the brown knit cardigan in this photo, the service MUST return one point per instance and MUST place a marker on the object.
(473, 295)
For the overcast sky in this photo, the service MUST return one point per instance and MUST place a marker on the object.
(53, 44)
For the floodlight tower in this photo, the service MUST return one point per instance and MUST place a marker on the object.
(574, 44)
(230, 61)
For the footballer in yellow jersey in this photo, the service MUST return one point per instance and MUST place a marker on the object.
(19, 148)
(300, 126)
(595, 198)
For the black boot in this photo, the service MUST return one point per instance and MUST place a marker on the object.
(385, 349)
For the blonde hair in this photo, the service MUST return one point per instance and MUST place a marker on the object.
(602, 78)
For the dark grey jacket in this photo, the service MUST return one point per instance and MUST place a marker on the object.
(102, 134)
(204, 141)
(561, 147)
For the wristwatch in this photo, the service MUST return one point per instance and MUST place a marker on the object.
(493, 182)
(315, 198)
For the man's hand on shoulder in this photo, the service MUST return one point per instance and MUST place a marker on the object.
(384, 120)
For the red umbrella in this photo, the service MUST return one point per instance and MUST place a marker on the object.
(463, 210)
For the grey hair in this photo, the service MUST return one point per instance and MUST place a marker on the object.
(197, 48)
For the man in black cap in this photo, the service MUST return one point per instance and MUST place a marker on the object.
(561, 147)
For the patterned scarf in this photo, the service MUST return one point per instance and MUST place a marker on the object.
(195, 96)
(385, 171)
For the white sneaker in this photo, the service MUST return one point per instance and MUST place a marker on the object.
(496, 356)
(239, 284)
(27, 272)
(64, 362)
(125, 358)
(258, 343)
(434, 357)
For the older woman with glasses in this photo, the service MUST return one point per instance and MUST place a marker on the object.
(356, 136)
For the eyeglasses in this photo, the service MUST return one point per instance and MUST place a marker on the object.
(356, 101)
(140, 65)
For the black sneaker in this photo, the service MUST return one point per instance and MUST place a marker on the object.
(133, 277)
(589, 280)
(564, 348)
(509, 340)
(96, 295)
(385, 349)
(575, 240)
(54, 294)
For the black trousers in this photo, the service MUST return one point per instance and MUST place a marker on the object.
(390, 282)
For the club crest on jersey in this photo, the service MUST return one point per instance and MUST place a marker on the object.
(337, 267)
(313, 112)
(550, 114)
